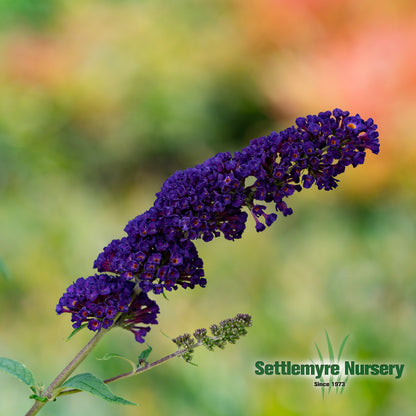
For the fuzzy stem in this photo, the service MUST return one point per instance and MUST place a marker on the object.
(50, 392)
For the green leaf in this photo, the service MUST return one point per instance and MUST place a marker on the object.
(343, 387)
(342, 347)
(319, 352)
(18, 370)
(167, 336)
(194, 364)
(110, 356)
(38, 398)
(330, 349)
(75, 331)
(331, 379)
(92, 384)
(338, 380)
(143, 356)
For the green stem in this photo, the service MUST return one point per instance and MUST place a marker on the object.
(139, 370)
(50, 392)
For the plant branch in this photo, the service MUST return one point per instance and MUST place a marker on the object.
(138, 370)
(50, 392)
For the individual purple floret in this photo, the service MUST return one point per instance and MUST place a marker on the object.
(99, 299)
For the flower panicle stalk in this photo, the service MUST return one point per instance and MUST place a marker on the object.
(227, 331)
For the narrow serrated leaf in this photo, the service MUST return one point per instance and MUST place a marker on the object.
(109, 356)
(143, 356)
(92, 384)
(75, 331)
(18, 370)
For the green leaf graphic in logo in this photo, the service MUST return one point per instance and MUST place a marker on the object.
(339, 383)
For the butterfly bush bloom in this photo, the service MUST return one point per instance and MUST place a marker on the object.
(212, 199)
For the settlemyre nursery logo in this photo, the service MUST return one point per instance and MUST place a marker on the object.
(330, 373)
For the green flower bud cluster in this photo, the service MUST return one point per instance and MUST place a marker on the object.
(228, 330)
(187, 342)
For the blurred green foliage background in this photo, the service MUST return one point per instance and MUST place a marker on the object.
(101, 101)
